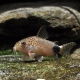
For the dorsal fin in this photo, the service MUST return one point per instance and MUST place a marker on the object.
(43, 33)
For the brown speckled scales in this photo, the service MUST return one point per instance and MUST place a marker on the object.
(37, 46)
(42, 46)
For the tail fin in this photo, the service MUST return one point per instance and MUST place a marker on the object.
(66, 48)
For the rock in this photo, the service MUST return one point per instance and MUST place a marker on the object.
(76, 54)
(62, 23)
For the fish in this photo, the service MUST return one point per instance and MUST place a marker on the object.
(37, 47)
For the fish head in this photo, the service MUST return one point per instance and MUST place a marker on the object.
(21, 46)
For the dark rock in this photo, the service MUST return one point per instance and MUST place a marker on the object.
(62, 23)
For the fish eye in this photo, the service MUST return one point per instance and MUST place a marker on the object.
(23, 43)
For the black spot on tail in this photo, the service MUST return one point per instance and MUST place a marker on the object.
(56, 49)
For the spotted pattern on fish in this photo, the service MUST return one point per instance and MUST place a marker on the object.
(41, 46)
(37, 47)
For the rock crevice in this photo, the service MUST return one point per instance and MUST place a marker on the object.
(62, 23)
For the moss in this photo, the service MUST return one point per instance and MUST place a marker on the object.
(56, 69)
(64, 68)
(6, 52)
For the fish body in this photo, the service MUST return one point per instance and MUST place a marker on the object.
(41, 46)
(37, 47)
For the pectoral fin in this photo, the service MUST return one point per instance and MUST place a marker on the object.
(32, 55)
(40, 59)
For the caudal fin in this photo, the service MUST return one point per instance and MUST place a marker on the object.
(66, 48)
